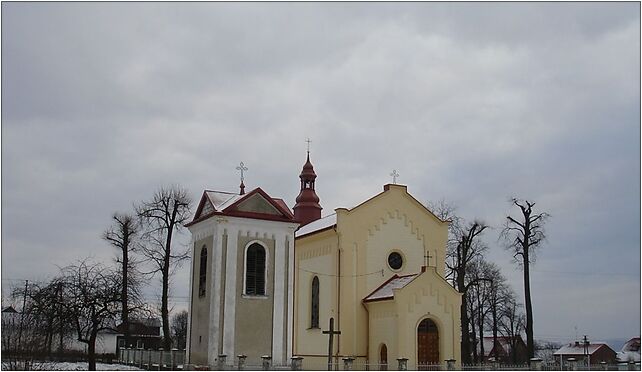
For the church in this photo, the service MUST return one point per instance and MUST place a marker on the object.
(269, 281)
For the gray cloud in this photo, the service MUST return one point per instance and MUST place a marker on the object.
(104, 102)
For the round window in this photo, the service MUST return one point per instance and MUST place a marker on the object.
(395, 260)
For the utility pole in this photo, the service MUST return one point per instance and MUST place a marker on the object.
(587, 356)
(60, 317)
(22, 314)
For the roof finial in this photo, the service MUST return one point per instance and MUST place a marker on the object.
(242, 168)
(308, 141)
(394, 176)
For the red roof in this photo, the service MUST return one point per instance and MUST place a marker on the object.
(215, 203)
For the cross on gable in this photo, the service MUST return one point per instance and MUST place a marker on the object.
(427, 256)
(394, 176)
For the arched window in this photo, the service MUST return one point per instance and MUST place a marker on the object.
(314, 309)
(255, 270)
(202, 273)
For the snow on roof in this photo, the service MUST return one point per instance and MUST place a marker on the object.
(503, 342)
(632, 345)
(320, 224)
(221, 200)
(578, 349)
(627, 356)
(386, 290)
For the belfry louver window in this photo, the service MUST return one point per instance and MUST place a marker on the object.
(255, 270)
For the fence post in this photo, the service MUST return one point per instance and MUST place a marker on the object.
(149, 359)
(173, 358)
(347, 363)
(140, 362)
(160, 359)
(450, 364)
(632, 366)
(536, 364)
(297, 362)
(403, 364)
(604, 365)
(241, 365)
(266, 362)
(220, 362)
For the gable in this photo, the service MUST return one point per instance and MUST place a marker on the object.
(257, 204)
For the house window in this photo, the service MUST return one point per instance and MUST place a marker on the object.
(255, 270)
(314, 310)
(139, 344)
(202, 278)
(121, 343)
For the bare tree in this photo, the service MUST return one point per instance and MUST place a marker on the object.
(523, 235)
(466, 247)
(179, 329)
(122, 234)
(91, 298)
(162, 216)
(511, 326)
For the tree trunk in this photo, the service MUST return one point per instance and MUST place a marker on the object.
(91, 352)
(125, 291)
(495, 348)
(529, 309)
(481, 337)
(167, 339)
(465, 331)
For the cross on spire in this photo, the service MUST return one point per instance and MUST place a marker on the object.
(394, 176)
(242, 168)
(308, 141)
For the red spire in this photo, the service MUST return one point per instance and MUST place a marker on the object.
(307, 208)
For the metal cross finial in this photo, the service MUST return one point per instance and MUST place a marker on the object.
(394, 176)
(427, 256)
(241, 168)
(308, 141)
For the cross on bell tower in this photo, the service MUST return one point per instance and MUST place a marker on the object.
(307, 208)
(242, 168)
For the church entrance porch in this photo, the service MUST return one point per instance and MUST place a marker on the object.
(427, 344)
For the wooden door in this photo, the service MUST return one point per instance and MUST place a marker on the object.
(427, 343)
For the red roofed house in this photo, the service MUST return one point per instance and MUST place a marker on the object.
(597, 352)
(505, 351)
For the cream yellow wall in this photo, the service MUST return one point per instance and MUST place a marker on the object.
(392, 220)
(365, 235)
(428, 296)
(314, 254)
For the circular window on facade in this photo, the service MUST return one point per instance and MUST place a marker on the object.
(395, 261)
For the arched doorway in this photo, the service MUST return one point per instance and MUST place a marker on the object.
(383, 358)
(427, 343)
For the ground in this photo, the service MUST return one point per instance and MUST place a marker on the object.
(79, 366)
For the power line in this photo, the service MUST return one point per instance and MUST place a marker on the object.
(343, 276)
(584, 273)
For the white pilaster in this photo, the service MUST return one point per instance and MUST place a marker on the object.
(189, 305)
(290, 294)
(279, 298)
(229, 322)
(215, 296)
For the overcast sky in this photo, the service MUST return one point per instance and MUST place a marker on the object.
(102, 103)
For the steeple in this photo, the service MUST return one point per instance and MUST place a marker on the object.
(307, 208)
